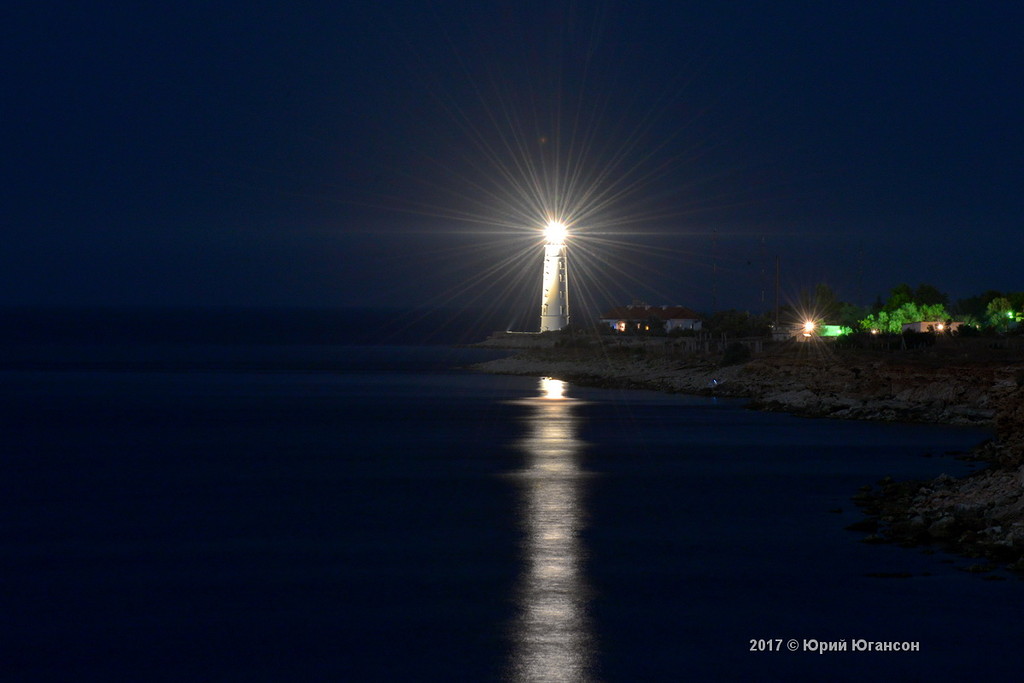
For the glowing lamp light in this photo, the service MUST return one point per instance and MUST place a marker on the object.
(555, 233)
(808, 328)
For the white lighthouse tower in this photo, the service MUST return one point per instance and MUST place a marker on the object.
(554, 305)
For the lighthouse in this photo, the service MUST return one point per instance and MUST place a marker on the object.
(554, 305)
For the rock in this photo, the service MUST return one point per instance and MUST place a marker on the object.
(874, 539)
(917, 524)
(943, 527)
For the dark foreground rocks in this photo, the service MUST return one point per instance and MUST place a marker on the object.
(981, 515)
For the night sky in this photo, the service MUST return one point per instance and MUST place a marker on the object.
(338, 154)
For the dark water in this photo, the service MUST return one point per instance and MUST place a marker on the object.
(330, 513)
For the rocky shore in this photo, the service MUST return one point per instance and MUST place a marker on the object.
(981, 515)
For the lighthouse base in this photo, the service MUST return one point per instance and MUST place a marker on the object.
(553, 323)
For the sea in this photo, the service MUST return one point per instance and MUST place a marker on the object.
(349, 512)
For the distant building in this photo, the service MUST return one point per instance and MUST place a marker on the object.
(638, 316)
(936, 326)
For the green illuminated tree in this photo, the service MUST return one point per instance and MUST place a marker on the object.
(892, 321)
(876, 321)
(1000, 313)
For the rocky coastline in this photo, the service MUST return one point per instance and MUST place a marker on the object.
(980, 515)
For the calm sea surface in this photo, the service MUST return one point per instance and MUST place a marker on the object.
(350, 514)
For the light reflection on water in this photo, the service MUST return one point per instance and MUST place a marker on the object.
(552, 639)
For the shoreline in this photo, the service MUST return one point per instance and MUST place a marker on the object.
(807, 384)
(980, 515)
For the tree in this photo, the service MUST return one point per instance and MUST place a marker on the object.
(900, 295)
(738, 324)
(1016, 301)
(924, 295)
(999, 313)
(976, 305)
(892, 321)
(826, 303)
(928, 295)
(850, 315)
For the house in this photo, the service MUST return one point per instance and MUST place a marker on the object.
(936, 326)
(637, 316)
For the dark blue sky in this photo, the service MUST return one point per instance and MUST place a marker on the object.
(329, 154)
